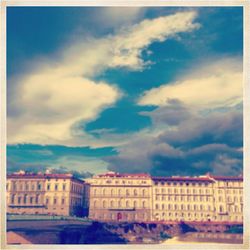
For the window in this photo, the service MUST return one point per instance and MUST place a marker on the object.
(48, 187)
(37, 199)
(25, 198)
(143, 192)
(135, 204)
(56, 187)
(47, 200)
(112, 192)
(119, 203)
(156, 206)
(127, 192)
(7, 186)
(64, 187)
(127, 204)
(112, 203)
(63, 201)
(38, 186)
(135, 192)
(31, 200)
(221, 209)
(19, 200)
(162, 206)
(32, 187)
(144, 204)
(119, 192)
(55, 200)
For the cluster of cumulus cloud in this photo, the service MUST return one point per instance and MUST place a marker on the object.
(197, 126)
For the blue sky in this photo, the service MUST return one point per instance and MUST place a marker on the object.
(133, 89)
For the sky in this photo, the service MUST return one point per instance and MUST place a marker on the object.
(128, 89)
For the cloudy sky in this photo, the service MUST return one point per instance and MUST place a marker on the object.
(155, 90)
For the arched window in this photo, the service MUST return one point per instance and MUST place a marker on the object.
(144, 192)
(135, 192)
(127, 192)
(156, 206)
(13, 199)
(37, 199)
(25, 198)
(144, 204)
(104, 204)
(112, 203)
(135, 204)
(119, 192)
(221, 209)
(127, 204)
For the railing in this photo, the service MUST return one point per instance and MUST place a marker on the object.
(12, 217)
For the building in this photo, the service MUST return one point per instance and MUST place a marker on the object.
(121, 197)
(140, 197)
(55, 194)
(182, 198)
(128, 197)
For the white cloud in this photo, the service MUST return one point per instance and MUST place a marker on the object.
(52, 104)
(218, 84)
(129, 44)
(48, 101)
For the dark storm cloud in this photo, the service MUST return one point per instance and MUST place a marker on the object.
(189, 144)
(174, 114)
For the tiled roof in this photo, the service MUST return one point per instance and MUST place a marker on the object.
(126, 175)
(179, 178)
(41, 176)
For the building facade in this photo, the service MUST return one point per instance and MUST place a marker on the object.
(55, 194)
(128, 197)
(140, 197)
(121, 197)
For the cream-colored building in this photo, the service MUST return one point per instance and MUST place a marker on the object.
(203, 198)
(182, 199)
(140, 197)
(56, 194)
(121, 197)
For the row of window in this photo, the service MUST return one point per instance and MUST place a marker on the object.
(32, 186)
(183, 198)
(26, 186)
(112, 204)
(62, 201)
(196, 207)
(171, 183)
(124, 182)
(120, 192)
(228, 191)
(231, 199)
(182, 207)
(182, 191)
(25, 199)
